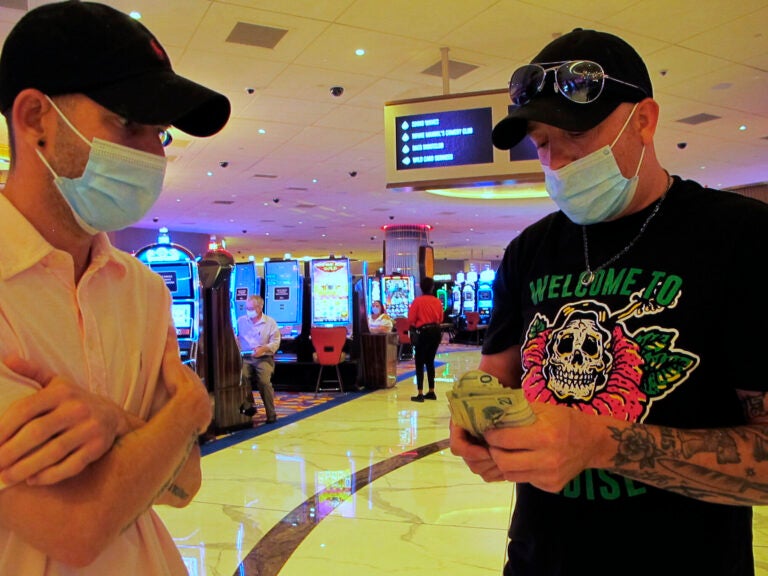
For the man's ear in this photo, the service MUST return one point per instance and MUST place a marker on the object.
(32, 122)
(646, 119)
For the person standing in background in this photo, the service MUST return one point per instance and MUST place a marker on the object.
(424, 316)
(99, 419)
(259, 339)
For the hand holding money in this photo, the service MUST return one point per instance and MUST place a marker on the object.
(478, 402)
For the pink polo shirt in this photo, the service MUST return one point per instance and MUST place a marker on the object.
(107, 333)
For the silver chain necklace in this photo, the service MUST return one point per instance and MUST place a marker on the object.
(588, 276)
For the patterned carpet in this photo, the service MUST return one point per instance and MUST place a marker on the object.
(289, 403)
(293, 405)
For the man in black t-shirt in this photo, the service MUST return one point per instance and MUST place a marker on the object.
(633, 319)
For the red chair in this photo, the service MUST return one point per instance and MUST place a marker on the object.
(329, 345)
(403, 339)
(473, 325)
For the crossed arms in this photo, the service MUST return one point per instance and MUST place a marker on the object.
(79, 470)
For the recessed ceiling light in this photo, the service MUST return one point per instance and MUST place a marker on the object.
(360, 52)
(135, 15)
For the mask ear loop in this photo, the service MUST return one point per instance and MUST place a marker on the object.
(67, 122)
(45, 162)
(626, 123)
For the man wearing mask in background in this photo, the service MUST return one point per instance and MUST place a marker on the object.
(98, 417)
(259, 339)
(633, 319)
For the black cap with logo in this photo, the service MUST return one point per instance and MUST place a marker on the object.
(618, 60)
(92, 49)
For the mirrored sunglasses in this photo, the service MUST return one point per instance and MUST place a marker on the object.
(579, 81)
(165, 137)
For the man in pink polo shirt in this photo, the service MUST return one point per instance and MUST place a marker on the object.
(98, 418)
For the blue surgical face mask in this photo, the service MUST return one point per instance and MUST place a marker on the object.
(593, 189)
(118, 186)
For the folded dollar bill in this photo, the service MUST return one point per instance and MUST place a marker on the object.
(478, 402)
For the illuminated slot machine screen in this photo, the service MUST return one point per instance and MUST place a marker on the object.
(331, 292)
(283, 295)
(484, 298)
(177, 277)
(398, 293)
(468, 296)
(245, 282)
(183, 314)
(374, 291)
(456, 297)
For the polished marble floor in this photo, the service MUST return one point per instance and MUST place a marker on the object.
(366, 487)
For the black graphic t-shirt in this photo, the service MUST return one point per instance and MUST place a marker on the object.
(663, 335)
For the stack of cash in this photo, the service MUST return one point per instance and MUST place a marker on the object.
(478, 402)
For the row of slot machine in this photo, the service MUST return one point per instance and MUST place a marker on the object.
(469, 292)
(282, 287)
(329, 290)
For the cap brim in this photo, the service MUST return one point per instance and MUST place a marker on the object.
(163, 97)
(554, 110)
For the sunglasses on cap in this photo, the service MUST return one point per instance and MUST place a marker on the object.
(579, 81)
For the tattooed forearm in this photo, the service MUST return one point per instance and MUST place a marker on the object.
(754, 405)
(720, 465)
(169, 485)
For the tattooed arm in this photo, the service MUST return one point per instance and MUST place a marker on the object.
(723, 465)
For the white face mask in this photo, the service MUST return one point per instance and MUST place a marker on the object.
(251, 313)
(118, 186)
(593, 189)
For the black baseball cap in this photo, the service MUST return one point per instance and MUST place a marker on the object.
(92, 49)
(617, 58)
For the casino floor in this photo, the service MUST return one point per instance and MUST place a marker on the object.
(367, 486)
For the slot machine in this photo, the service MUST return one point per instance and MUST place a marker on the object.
(245, 282)
(456, 298)
(468, 294)
(442, 295)
(331, 292)
(284, 296)
(485, 295)
(178, 268)
(374, 292)
(397, 294)
(445, 294)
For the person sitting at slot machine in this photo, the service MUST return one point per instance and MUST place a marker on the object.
(379, 322)
(259, 339)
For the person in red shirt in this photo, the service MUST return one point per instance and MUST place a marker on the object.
(425, 315)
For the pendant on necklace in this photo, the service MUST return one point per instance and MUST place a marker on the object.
(586, 277)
